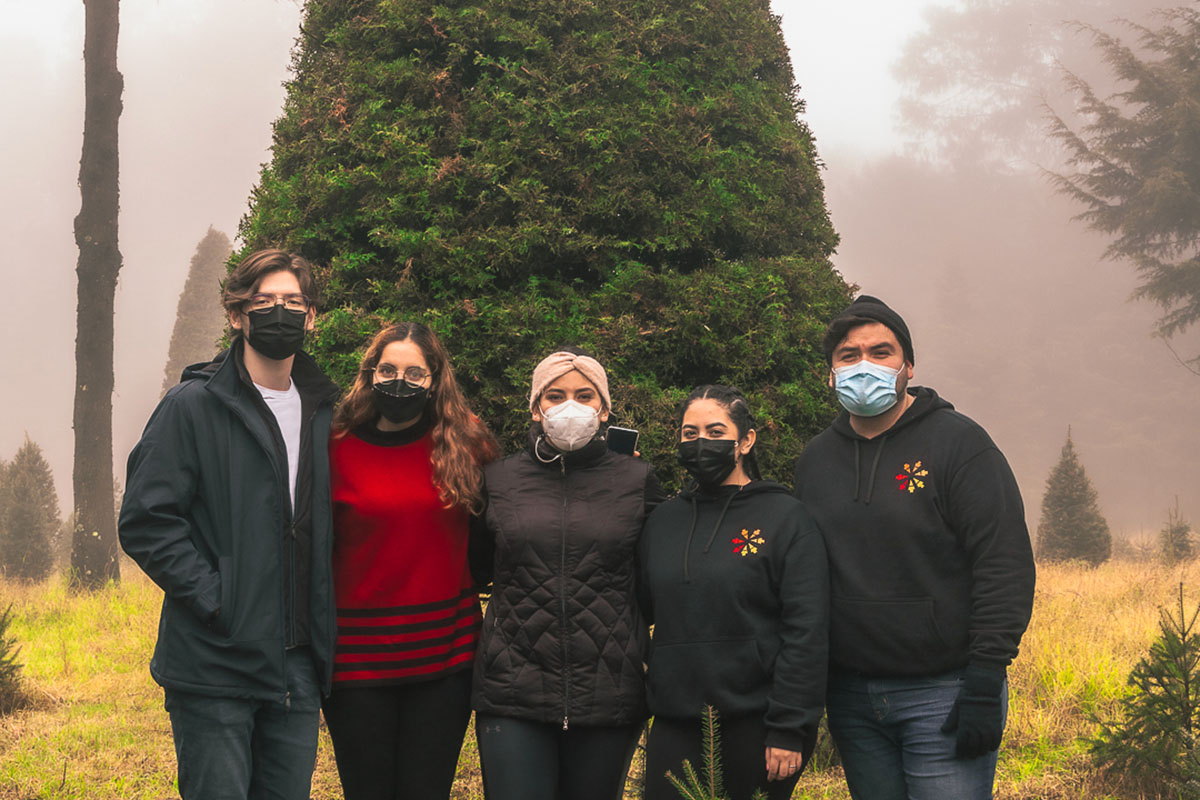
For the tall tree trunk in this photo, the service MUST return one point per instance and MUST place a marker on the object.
(94, 548)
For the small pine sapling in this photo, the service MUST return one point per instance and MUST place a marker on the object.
(11, 695)
(710, 785)
(1154, 738)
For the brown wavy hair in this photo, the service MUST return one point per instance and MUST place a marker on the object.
(462, 444)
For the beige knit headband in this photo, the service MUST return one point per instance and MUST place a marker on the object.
(555, 365)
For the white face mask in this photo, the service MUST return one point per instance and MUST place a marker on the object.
(570, 425)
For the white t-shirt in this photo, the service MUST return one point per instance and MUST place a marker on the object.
(285, 405)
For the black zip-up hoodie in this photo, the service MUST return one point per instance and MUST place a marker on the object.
(735, 583)
(931, 567)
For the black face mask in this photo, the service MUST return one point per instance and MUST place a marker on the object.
(709, 461)
(276, 332)
(398, 400)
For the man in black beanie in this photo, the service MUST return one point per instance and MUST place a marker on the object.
(931, 571)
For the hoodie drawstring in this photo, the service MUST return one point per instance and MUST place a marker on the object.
(687, 547)
(720, 519)
(857, 467)
(874, 467)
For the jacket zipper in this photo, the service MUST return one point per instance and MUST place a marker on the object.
(563, 603)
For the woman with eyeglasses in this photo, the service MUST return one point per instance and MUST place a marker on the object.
(559, 691)
(406, 459)
(734, 578)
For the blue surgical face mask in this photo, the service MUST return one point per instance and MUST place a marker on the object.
(866, 389)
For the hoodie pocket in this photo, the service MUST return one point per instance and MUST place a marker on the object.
(728, 674)
(882, 637)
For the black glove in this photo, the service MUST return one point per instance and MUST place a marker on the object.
(977, 713)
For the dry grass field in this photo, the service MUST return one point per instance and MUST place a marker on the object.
(95, 727)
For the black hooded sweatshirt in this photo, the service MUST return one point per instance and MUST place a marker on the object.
(735, 583)
(931, 567)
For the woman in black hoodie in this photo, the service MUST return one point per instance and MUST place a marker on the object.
(733, 575)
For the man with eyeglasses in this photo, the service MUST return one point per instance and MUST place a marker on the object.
(227, 509)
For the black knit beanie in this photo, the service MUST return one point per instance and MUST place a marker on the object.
(867, 307)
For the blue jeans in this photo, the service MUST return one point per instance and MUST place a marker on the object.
(889, 734)
(230, 748)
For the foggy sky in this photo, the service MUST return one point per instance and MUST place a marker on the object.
(203, 84)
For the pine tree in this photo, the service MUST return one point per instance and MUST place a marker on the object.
(1175, 538)
(1072, 526)
(12, 694)
(1155, 734)
(631, 177)
(31, 515)
(1137, 160)
(200, 317)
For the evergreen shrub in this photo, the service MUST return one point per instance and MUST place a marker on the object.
(1072, 527)
(12, 695)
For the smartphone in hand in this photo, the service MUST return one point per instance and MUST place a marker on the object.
(622, 440)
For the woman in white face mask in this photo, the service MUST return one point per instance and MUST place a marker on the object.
(558, 691)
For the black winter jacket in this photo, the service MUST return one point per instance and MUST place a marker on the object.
(563, 641)
(735, 582)
(931, 567)
(206, 514)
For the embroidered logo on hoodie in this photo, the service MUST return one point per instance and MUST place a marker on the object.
(910, 479)
(748, 543)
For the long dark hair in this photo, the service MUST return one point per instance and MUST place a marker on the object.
(734, 402)
(461, 443)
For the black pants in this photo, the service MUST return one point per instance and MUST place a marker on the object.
(540, 761)
(743, 757)
(399, 742)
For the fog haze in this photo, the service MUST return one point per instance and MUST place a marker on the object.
(1015, 317)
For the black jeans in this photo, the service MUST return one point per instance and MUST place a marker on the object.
(524, 760)
(743, 757)
(399, 742)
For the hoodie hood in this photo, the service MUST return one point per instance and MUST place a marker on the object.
(925, 402)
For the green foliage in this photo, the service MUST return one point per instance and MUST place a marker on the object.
(709, 783)
(30, 515)
(1175, 538)
(1137, 160)
(1072, 526)
(12, 695)
(1155, 735)
(629, 177)
(199, 318)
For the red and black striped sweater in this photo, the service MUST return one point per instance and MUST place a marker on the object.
(406, 604)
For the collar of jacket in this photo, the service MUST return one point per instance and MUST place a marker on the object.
(227, 376)
(550, 457)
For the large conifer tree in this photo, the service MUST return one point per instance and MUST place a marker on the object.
(1072, 527)
(31, 515)
(631, 177)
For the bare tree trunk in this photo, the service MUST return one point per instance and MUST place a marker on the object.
(94, 547)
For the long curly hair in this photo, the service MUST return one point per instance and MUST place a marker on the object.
(462, 444)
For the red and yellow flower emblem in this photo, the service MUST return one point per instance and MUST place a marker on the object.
(747, 543)
(910, 479)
